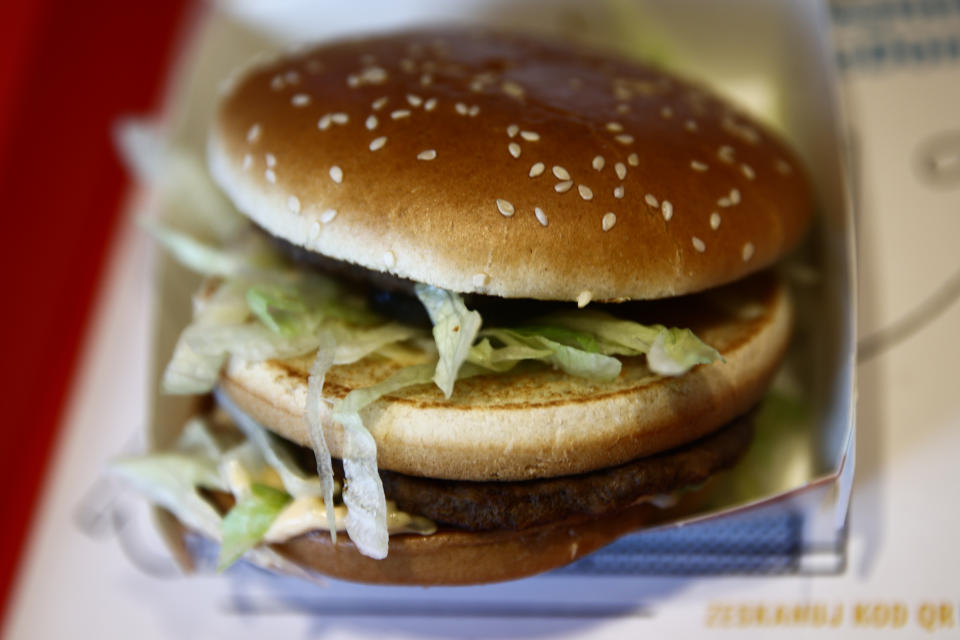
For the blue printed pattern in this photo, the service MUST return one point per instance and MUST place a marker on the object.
(756, 545)
(884, 34)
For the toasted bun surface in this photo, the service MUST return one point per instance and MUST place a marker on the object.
(506, 165)
(536, 422)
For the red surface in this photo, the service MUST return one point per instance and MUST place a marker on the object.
(67, 70)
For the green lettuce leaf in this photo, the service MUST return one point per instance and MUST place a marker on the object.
(316, 404)
(171, 480)
(576, 362)
(363, 489)
(454, 329)
(674, 350)
(247, 522)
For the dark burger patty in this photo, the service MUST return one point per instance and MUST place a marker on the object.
(482, 506)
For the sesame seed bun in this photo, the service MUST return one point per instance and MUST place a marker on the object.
(508, 166)
(512, 167)
(540, 423)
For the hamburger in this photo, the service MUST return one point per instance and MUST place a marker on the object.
(499, 302)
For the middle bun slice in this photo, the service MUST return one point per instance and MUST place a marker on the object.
(535, 422)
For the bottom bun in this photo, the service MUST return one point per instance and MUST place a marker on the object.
(456, 558)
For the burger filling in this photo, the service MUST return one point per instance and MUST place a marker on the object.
(258, 306)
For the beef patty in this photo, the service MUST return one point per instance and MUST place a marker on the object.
(483, 506)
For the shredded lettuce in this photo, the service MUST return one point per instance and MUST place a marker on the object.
(314, 412)
(171, 480)
(576, 362)
(247, 522)
(277, 454)
(198, 256)
(363, 490)
(454, 329)
(674, 351)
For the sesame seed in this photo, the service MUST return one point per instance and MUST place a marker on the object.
(408, 66)
(270, 176)
(666, 112)
(532, 136)
(377, 143)
(624, 138)
(293, 203)
(374, 75)
(747, 252)
(276, 83)
(428, 154)
(327, 216)
(698, 244)
(734, 196)
(314, 230)
(379, 103)
(633, 160)
(696, 165)
(430, 104)
(714, 220)
(541, 216)
(725, 153)
(505, 207)
(476, 86)
(353, 81)
(536, 169)
(724, 202)
(324, 122)
(690, 125)
(621, 170)
(414, 100)
(618, 192)
(583, 299)
(247, 161)
(666, 208)
(561, 173)
(609, 219)
(371, 122)
(300, 100)
(514, 149)
(336, 174)
(651, 200)
(389, 259)
(616, 127)
(400, 113)
(512, 130)
(461, 108)
(512, 89)
(253, 134)
(292, 77)
(747, 171)
(563, 187)
(480, 279)
(270, 159)
(339, 118)
(474, 110)
(623, 108)
(585, 192)
(598, 162)
(426, 80)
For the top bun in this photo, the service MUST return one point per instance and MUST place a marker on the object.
(507, 165)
